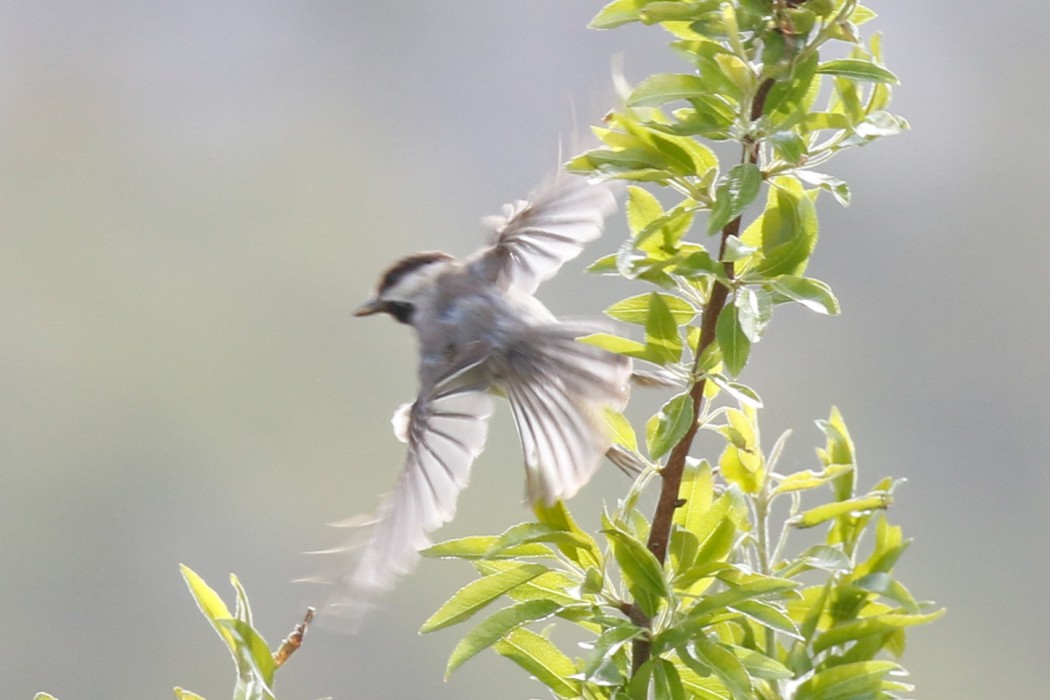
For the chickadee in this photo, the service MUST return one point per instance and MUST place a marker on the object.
(482, 332)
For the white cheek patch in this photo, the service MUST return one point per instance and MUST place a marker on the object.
(413, 285)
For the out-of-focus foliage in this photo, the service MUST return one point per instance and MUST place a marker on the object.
(255, 663)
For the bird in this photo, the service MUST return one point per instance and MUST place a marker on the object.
(481, 334)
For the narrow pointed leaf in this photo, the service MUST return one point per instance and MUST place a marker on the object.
(847, 681)
(488, 632)
(478, 594)
(478, 547)
(856, 69)
(539, 657)
(706, 656)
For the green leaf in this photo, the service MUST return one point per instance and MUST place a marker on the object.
(808, 479)
(636, 309)
(207, 599)
(856, 69)
(669, 425)
(255, 663)
(481, 547)
(605, 265)
(744, 394)
(731, 339)
(46, 696)
(877, 500)
(702, 688)
(666, 683)
(525, 533)
(242, 610)
(642, 209)
(478, 594)
(609, 642)
(759, 665)
(539, 657)
(180, 694)
(666, 87)
(756, 586)
(735, 190)
(874, 625)
(846, 682)
(663, 342)
(736, 250)
(552, 585)
(789, 146)
(754, 311)
(885, 585)
(811, 293)
(768, 615)
(705, 657)
(583, 550)
(838, 188)
(621, 430)
(639, 569)
(696, 491)
(825, 558)
(785, 232)
(616, 344)
(615, 14)
(495, 627)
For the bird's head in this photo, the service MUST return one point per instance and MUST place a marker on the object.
(404, 284)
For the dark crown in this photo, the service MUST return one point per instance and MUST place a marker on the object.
(407, 264)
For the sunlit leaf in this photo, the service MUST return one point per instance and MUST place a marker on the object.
(875, 625)
(705, 656)
(823, 513)
(539, 657)
(731, 339)
(735, 190)
(478, 594)
(846, 682)
(495, 627)
(754, 311)
(478, 546)
(669, 425)
(663, 341)
(666, 87)
(811, 293)
(583, 550)
(636, 309)
(640, 570)
(856, 69)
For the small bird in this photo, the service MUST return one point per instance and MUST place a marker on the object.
(482, 332)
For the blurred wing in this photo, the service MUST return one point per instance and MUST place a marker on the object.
(532, 239)
(445, 430)
(558, 389)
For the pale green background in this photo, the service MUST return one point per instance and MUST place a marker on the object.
(194, 195)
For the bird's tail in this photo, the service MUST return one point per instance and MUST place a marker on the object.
(559, 389)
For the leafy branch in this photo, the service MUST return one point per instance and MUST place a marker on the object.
(709, 600)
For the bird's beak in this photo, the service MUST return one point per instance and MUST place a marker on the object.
(372, 306)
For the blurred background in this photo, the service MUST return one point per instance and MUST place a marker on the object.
(195, 195)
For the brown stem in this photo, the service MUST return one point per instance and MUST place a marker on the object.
(660, 532)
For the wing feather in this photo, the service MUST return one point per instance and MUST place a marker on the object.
(445, 430)
(532, 239)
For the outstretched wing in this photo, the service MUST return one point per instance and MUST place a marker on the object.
(558, 390)
(445, 429)
(532, 239)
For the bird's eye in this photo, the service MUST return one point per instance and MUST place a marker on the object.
(401, 310)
